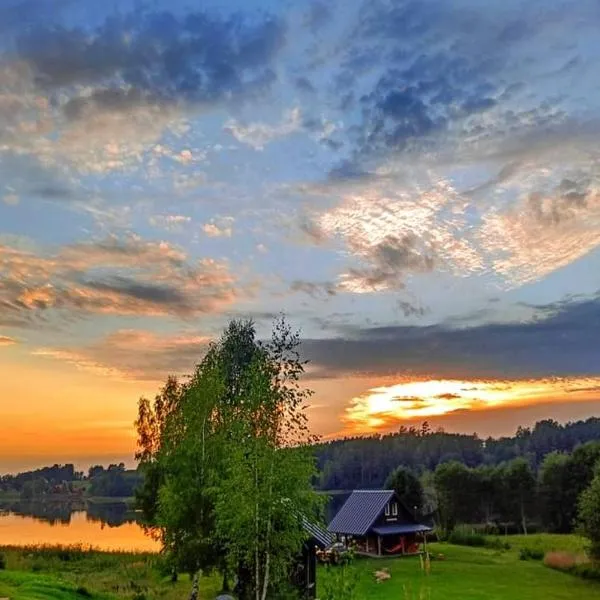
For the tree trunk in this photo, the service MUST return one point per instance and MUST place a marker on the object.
(268, 540)
(194, 595)
(523, 518)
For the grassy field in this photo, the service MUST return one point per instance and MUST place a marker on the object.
(475, 574)
(69, 574)
(465, 573)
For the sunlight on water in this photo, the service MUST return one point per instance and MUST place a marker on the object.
(26, 530)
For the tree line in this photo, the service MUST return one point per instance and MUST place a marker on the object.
(112, 481)
(366, 462)
(512, 496)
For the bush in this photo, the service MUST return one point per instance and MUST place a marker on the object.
(531, 554)
(498, 544)
(2, 562)
(575, 564)
(83, 591)
(465, 536)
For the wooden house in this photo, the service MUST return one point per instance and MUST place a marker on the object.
(376, 523)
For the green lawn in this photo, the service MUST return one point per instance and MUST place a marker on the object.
(470, 574)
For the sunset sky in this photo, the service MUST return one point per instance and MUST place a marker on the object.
(415, 184)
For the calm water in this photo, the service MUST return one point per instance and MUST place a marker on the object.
(104, 526)
(107, 527)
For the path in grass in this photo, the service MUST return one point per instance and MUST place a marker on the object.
(469, 574)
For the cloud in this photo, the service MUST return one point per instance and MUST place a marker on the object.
(315, 290)
(544, 231)
(169, 222)
(393, 229)
(560, 341)
(96, 99)
(11, 199)
(7, 341)
(221, 229)
(135, 354)
(258, 135)
(120, 276)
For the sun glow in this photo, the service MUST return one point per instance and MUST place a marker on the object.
(383, 407)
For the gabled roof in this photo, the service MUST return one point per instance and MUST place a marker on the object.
(360, 511)
(321, 536)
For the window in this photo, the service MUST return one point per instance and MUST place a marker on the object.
(394, 509)
(387, 510)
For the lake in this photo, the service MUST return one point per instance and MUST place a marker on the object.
(103, 526)
(106, 526)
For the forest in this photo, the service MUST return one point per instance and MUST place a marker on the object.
(366, 462)
(59, 480)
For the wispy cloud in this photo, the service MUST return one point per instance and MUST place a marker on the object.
(258, 135)
(135, 354)
(7, 341)
(127, 276)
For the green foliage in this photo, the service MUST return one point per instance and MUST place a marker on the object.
(553, 477)
(531, 553)
(103, 575)
(521, 488)
(408, 488)
(115, 482)
(454, 485)
(366, 462)
(2, 562)
(340, 583)
(227, 468)
(83, 591)
(465, 536)
(589, 514)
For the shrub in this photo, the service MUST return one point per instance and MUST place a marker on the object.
(571, 563)
(562, 561)
(465, 536)
(531, 554)
(83, 591)
(498, 544)
(2, 562)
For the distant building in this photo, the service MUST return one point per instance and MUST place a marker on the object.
(378, 524)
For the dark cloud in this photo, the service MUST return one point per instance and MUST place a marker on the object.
(304, 85)
(148, 292)
(562, 344)
(154, 58)
(317, 15)
(389, 261)
(127, 276)
(314, 289)
(448, 396)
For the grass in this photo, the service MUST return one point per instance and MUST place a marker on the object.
(465, 573)
(468, 573)
(55, 573)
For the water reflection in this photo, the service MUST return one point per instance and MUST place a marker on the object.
(112, 526)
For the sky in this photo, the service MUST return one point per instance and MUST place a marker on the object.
(415, 184)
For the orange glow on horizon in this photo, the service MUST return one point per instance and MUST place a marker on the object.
(383, 407)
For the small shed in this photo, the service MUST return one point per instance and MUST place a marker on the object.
(305, 572)
(378, 524)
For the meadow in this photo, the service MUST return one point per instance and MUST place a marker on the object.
(464, 573)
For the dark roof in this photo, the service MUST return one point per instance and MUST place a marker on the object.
(400, 529)
(360, 511)
(320, 535)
